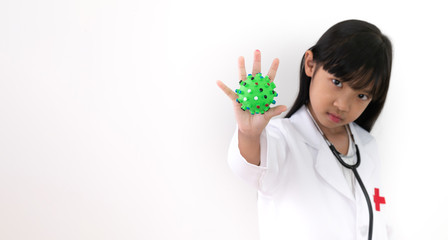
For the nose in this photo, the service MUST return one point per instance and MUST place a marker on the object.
(343, 103)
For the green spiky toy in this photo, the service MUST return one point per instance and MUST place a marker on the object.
(256, 93)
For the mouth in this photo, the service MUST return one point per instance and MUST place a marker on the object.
(334, 117)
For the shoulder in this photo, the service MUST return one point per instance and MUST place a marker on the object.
(298, 128)
(293, 129)
(279, 122)
(362, 136)
(284, 125)
(280, 126)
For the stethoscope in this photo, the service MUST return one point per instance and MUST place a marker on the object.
(352, 167)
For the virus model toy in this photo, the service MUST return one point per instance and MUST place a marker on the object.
(256, 94)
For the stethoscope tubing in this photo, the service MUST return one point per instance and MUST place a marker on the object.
(361, 184)
(369, 204)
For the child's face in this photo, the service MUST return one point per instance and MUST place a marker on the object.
(333, 102)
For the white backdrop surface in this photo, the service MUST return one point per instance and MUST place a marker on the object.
(112, 126)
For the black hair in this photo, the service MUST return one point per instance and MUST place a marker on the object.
(355, 52)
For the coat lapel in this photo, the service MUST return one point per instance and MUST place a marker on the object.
(364, 142)
(329, 169)
(326, 165)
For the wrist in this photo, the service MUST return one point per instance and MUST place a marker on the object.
(251, 136)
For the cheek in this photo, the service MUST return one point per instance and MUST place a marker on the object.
(314, 98)
(318, 95)
(359, 109)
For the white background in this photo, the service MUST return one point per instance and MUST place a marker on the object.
(112, 126)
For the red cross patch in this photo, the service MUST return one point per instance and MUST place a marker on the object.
(378, 199)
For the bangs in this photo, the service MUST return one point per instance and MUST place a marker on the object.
(362, 79)
(360, 61)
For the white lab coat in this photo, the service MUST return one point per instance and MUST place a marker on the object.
(302, 192)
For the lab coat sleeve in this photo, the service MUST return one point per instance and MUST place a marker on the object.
(271, 150)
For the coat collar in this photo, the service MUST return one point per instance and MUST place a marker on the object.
(326, 164)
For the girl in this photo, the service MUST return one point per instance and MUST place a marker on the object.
(317, 169)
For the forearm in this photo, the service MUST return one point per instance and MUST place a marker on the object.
(249, 147)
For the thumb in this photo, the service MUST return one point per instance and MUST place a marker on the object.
(275, 111)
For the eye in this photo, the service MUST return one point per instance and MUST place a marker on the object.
(363, 97)
(337, 83)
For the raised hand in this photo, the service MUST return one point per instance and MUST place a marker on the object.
(252, 125)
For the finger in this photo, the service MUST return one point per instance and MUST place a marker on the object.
(242, 68)
(273, 70)
(275, 111)
(257, 62)
(231, 94)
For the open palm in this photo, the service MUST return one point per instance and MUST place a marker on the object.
(252, 124)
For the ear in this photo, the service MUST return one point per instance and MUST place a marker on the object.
(310, 65)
